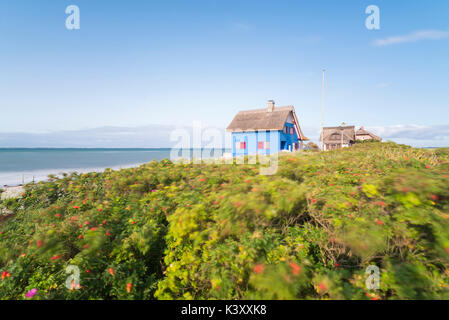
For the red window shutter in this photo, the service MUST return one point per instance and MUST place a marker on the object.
(260, 145)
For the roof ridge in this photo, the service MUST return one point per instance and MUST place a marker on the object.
(283, 108)
(339, 127)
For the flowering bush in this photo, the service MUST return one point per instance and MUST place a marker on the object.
(189, 231)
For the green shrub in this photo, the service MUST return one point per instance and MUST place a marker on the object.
(208, 231)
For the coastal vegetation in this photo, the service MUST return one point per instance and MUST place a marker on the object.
(210, 231)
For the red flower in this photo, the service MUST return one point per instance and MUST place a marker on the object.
(76, 207)
(434, 197)
(5, 274)
(85, 246)
(111, 271)
(108, 234)
(39, 243)
(427, 167)
(379, 222)
(58, 215)
(381, 203)
(258, 268)
(80, 236)
(313, 200)
(322, 286)
(295, 268)
(129, 287)
(99, 209)
(54, 257)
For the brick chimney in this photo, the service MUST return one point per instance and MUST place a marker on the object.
(270, 106)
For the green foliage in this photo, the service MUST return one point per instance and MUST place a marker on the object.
(208, 231)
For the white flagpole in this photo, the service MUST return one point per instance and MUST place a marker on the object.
(322, 114)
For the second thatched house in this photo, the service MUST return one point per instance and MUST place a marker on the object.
(337, 137)
(344, 136)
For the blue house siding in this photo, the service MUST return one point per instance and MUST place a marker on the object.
(278, 141)
(251, 140)
(287, 140)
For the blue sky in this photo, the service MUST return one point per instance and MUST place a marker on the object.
(142, 63)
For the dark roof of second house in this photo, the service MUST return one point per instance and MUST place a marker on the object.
(334, 134)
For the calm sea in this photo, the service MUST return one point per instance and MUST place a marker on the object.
(17, 165)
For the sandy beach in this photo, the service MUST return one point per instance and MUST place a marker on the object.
(11, 192)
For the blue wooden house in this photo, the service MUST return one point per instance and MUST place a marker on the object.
(266, 131)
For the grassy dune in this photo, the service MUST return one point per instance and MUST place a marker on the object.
(170, 231)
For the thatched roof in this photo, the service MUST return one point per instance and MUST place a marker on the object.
(334, 134)
(264, 119)
(363, 132)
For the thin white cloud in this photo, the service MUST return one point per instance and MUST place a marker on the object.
(383, 85)
(150, 136)
(415, 132)
(413, 37)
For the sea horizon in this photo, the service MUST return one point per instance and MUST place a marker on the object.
(23, 165)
